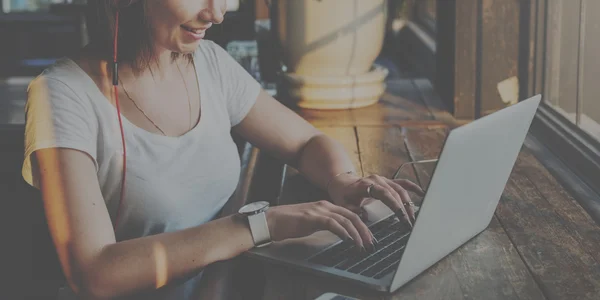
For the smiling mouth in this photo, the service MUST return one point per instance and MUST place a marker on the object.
(194, 30)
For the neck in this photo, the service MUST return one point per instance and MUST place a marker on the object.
(162, 65)
(160, 68)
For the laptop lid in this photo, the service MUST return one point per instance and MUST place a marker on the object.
(467, 184)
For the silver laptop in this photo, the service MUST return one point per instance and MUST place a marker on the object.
(469, 179)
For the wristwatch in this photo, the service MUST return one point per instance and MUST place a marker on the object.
(255, 213)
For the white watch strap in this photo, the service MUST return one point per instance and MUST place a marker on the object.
(259, 229)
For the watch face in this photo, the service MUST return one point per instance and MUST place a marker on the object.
(253, 207)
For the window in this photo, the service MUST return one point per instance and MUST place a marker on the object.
(571, 67)
(426, 13)
(567, 125)
(9, 6)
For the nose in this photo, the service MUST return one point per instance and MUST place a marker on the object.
(214, 12)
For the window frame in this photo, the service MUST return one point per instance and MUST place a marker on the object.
(423, 19)
(570, 144)
(570, 153)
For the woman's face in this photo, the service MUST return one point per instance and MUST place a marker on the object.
(179, 25)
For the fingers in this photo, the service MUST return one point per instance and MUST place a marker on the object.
(357, 224)
(345, 224)
(332, 224)
(406, 215)
(382, 191)
(409, 185)
(359, 241)
(409, 205)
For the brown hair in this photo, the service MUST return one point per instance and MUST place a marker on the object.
(135, 44)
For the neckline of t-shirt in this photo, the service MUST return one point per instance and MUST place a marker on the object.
(139, 130)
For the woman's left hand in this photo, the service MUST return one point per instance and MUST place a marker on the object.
(353, 192)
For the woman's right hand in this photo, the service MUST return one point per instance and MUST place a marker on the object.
(299, 220)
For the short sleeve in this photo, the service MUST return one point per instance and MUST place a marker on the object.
(239, 87)
(56, 117)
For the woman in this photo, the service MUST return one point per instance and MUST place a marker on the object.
(180, 97)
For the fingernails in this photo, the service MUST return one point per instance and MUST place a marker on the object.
(349, 238)
(371, 248)
(373, 239)
(363, 249)
(404, 217)
(400, 215)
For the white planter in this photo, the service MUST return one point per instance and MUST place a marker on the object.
(329, 47)
(337, 92)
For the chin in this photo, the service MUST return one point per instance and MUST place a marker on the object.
(188, 48)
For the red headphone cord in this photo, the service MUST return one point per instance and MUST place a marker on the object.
(115, 73)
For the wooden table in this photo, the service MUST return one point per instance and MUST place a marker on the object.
(540, 244)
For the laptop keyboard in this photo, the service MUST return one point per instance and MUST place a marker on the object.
(392, 235)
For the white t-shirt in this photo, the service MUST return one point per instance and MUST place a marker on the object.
(172, 183)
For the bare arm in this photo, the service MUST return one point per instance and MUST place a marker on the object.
(271, 126)
(98, 267)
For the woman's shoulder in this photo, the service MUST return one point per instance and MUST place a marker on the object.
(208, 47)
(60, 91)
(217, 61)
(213, 55)
(63, 69)
(62, 76)
(68, 77)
